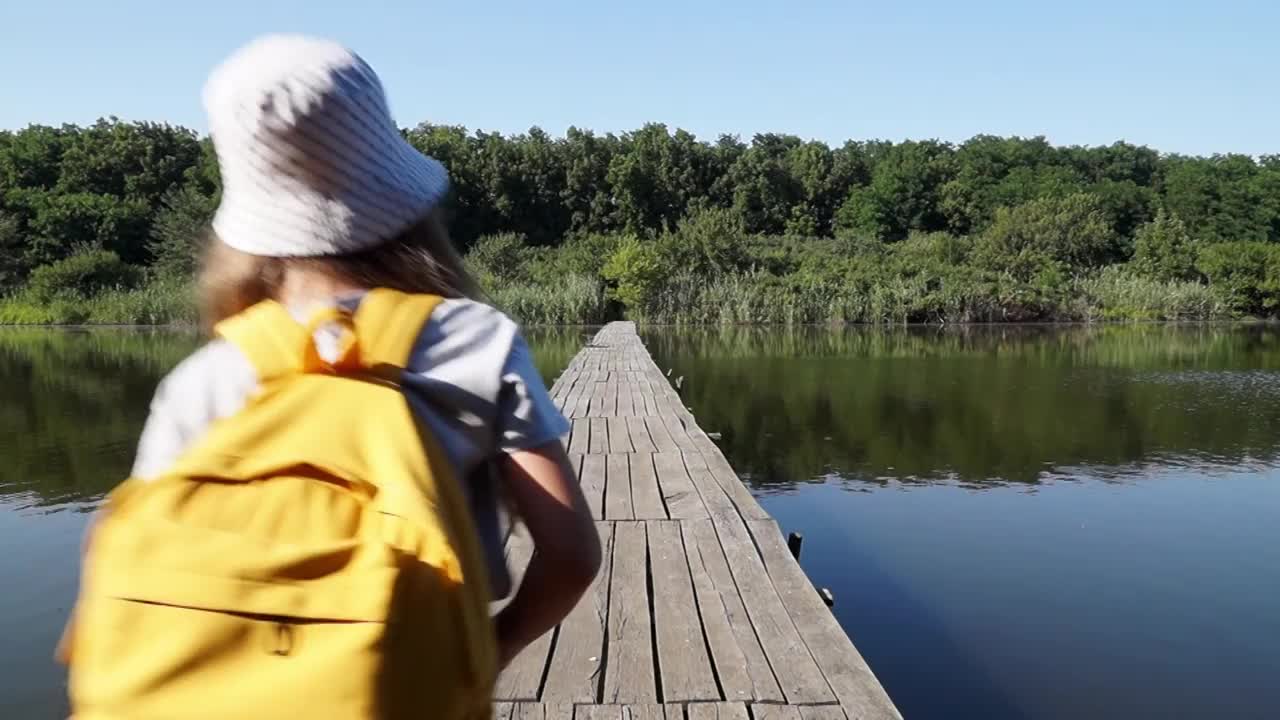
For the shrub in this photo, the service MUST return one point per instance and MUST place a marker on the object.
(635, 271)
(83, 274)
(1071, 231)
(1246, 274)
(708, 242)
(501, 258)
(1163, 249)
(584, 254)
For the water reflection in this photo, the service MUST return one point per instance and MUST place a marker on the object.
(72, 403)
(980, 404)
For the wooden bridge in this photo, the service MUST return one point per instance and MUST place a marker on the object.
(699, 609)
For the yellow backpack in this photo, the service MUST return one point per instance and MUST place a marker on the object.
(312, 556)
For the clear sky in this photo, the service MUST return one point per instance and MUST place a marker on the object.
(1180, 75)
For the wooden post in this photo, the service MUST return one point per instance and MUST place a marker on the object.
(794, 540)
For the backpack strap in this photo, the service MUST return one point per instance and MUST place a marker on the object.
(269, 337)
(388, 323)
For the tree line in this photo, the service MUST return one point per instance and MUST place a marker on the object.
(663, 226)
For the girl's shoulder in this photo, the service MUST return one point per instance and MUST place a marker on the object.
(462, 329)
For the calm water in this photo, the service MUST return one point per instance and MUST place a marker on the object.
(1016, 523)
(71, 406)
(1022, 522)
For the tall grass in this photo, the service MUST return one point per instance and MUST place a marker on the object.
(1117, 294)
(578, 300)
(1113, 294)
(162, 302)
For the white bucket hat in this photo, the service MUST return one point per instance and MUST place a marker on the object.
(311, 161)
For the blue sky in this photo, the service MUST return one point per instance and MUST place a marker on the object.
(1182, 75)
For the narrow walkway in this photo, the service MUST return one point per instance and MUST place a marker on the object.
(699, 610)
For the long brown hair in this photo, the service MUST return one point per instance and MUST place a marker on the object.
(419, 260)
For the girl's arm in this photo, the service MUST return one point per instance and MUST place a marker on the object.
(566, 545)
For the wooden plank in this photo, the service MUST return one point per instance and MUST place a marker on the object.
(716, 589)
(592, 479)
(678, 434)
(683, 663)
(597, 712)
(822, 712)
(718, 711)
(604, 398)
(503, 710)
(619, 435)
(611, 395)
(636, 400)
(679, 495)
(647, 396)
(576, 662)
(629, 674)
(801, 680)
(732, 667)
(647, 711)
(599, 442)
(558, 710)
(625, 406)
(574, 395)
(580, 436)
(617, 493)
(660, 435)
(565, 383)
(522, 678)
(775, 712)
(599, 393)
(529, 711)
(584, 399)
(734, 487)
(856, 687)
(646, 497)
(639, 434)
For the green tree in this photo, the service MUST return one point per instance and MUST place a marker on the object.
(764, 181)
(13, 268)
(1163, 249)
(654, 177)
(904, 193)
(179, 230)
(57, 223)
(1221, 199)
(586, 191)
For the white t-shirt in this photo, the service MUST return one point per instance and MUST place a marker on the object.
(470, 379)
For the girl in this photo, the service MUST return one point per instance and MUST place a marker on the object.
(322, 202)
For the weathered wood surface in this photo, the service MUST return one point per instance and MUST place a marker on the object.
(699, 611)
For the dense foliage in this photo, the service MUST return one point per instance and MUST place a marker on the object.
(663, 227)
